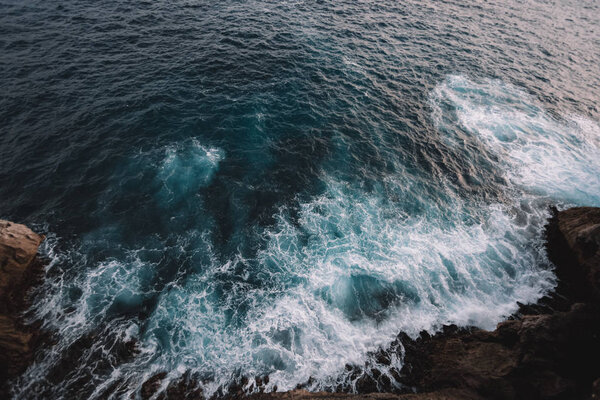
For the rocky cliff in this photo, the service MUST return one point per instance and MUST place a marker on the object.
(19, 269)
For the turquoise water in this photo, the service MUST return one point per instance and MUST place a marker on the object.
(280, 188)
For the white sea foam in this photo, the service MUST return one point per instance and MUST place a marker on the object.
(368, 272)
(185, 168)
(555, 157)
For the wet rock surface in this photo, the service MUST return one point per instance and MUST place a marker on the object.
(19, 270)
(547, 356)
(185, 388)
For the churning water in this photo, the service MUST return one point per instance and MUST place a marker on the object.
(280, 187)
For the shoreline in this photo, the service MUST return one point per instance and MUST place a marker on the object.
(547, 350)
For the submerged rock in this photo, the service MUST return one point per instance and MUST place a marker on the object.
(184, 388)
(19, 270)
(152, 385)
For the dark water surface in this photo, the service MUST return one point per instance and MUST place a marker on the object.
(280, 187)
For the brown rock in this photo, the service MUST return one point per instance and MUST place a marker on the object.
(553, 356)
(18, 248)
(18, 269)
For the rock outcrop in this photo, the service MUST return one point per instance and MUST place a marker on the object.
(542, 353)
(19, 270)
(548, 356)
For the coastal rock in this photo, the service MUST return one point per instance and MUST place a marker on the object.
(19, 269)
(547, 355)
(18, 248)
(537, 357)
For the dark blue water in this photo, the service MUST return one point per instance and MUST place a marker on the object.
(279, 187)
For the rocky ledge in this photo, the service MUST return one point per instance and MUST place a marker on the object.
(20, 269)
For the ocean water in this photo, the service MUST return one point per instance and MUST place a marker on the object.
(251, 188)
